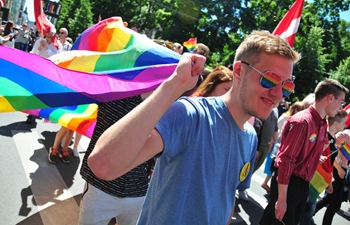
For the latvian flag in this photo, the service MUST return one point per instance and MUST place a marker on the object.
(288, 26)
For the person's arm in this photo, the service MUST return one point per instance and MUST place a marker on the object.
(5, 39)
(273, 141)
(292, 142)
(36, 47)
(329, 189)
(340, 170)
(133, 139)
(281, 204)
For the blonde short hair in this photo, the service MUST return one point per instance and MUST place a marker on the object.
(264, 42)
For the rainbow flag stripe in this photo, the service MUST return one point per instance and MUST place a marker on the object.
(81, 118)
(28, 81)
(345, 150)
(122, 63)
(190, 44)
(319, 183)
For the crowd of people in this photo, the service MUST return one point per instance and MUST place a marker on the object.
(180, 154)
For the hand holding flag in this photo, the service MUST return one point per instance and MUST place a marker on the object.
(343, 142)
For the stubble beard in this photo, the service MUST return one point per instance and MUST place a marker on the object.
(243, 98)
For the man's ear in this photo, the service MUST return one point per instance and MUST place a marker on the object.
(330, 97)
(237, 70)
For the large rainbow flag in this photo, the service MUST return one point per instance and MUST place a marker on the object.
(109, 62)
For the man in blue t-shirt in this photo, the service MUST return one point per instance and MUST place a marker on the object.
(205, 146)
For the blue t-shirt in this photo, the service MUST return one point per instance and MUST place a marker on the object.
(197, 174)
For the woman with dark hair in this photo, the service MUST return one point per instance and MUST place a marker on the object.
(9, 30)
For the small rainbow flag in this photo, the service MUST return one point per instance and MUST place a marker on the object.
(190, 44)
(345, 150)
(343, 142)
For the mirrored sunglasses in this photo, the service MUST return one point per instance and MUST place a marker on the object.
(271, 79)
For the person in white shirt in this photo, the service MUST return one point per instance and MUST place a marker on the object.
(45, 47)
(5, 39)
(66, 46)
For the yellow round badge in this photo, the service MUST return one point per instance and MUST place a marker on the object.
(244, 171)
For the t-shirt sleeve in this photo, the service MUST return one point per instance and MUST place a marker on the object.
(177, 126)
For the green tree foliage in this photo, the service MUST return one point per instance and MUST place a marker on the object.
(342, 74)
(110, 8)
(326, 14)
(323, 38)
(82, 19)
(344, 33)
(67, 12)
(310, 69)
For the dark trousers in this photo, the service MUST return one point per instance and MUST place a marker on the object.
(298, 191)
(23, 47)
(333, 200)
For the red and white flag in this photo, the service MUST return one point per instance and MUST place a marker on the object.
(288, 26)
(2, 3)
(42, 23)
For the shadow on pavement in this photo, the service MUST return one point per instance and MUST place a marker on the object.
(51, 214)
(46, 183)
(22, 126)
(251, 208)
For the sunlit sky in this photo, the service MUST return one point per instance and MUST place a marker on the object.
(29, 4)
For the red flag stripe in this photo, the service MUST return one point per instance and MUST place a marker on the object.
(42, 23)
(288, 26)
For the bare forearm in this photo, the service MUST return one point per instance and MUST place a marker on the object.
(119, 147)
(133, 140)
(281, 204)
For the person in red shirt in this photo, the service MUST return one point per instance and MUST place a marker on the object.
(303, 138)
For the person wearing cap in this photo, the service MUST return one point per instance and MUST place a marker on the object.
(48, 46)
(23, 38)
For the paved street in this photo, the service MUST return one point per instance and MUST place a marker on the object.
(33, 191)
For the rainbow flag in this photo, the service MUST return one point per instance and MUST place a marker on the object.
(28, 81)
(345, 150)
(343, 140)
(120, 64)
(319, 183)
(81, 118)
(190, 44)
